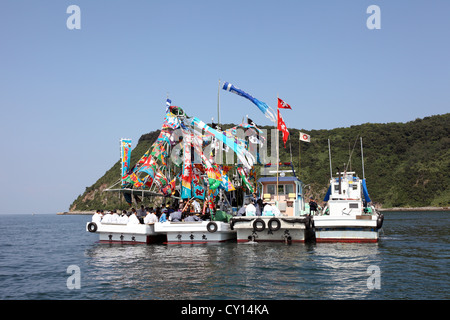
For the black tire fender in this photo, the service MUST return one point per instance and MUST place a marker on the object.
(211, 227)
(92, 227)
(271, 223)
(261, 223)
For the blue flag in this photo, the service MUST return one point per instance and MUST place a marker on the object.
(268, 112)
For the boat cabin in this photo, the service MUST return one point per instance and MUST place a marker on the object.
(290, 199)
(346, 193)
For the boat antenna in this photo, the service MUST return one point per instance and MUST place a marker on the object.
(329, 156)
(362, 158)
(350, 156)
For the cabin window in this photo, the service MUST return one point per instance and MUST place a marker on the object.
(271, 189)
(353, 206)
(336, 187)
(280, 189)
(288, 188)
(355, 186)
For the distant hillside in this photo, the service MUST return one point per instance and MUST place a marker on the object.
(406, 164)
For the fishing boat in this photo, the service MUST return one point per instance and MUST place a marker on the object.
(125, 233)
(290, 225)
(348, 215)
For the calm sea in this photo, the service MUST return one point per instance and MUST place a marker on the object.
(40, 253)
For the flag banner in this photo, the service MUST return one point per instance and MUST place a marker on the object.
(168, 104)
(283, 105)
(268, 112)
(125, 149)
(244, 179)
(199, 189)
(243, 155)
(283, 128)
(305, 137)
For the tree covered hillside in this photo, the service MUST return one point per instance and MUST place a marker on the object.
(406, 164)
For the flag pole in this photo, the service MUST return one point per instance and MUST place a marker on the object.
(218, 104)
(278, 150)
(299, 144)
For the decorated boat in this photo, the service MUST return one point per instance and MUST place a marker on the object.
(126, 233)
(348, 215)
(286, 222)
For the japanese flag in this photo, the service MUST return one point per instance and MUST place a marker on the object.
(305, 137)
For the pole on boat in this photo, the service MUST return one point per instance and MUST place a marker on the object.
(278, 150)
(362, 158)
(329, 156)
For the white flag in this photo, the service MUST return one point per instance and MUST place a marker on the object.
(305, 137)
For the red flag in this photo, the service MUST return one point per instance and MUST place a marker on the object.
(283, 128)
(283, 105)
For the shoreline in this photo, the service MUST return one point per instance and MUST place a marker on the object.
(396, 209)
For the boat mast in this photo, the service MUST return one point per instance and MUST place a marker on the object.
(362, 158)
(218, 104)
(278, 150)
(329, 156)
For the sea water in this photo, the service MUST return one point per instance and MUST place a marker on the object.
(47, 256)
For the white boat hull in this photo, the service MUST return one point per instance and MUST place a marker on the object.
(195, 232)
(287, 229)
(360, 228)
(125, 233)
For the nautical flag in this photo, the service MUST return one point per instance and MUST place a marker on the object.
(283, 128)
(305, 137)
(283, 105)
(168, 104)
(125, 148)
(268, 112)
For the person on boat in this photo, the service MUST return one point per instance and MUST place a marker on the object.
(191, 218)
(250, 210)
(268, 211)
(114, 216)
(312, 206)
(107, 217)
(176, 215)
(241, 211)
(163, 217)
(196, 205)
(97, 217)
(259, 207)
(141, 212)
(150, 217)
(133, 219)
(123, 219)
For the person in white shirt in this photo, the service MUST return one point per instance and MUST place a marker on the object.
(196, 206)
(250, 210)
(150, 218)
(133, 219)
(267, 210)
(97, 217)
(114, 217)
(123, 219)
(107, 217)
(276, 212)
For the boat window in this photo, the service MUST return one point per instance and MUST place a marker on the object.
(353, 206)
(281, 188)
(288, 188)
(271, 189)
(355, 186)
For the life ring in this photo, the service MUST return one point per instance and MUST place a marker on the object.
(211, 227)
(271, 223)
(92, 227)
(261, 223)
(380, 220)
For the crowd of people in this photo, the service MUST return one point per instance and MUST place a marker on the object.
(181, 211)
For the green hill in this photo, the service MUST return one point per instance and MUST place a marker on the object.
(406, 164)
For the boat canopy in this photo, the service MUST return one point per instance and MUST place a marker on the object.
(365, 192)
(280, 179)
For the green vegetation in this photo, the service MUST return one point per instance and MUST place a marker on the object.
(406, 164)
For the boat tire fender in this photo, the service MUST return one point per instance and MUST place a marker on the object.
(211, 227)
(380, 220)
(259, 225)
(274, 224)
(92, 227)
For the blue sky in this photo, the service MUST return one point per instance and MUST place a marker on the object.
(68, 96)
